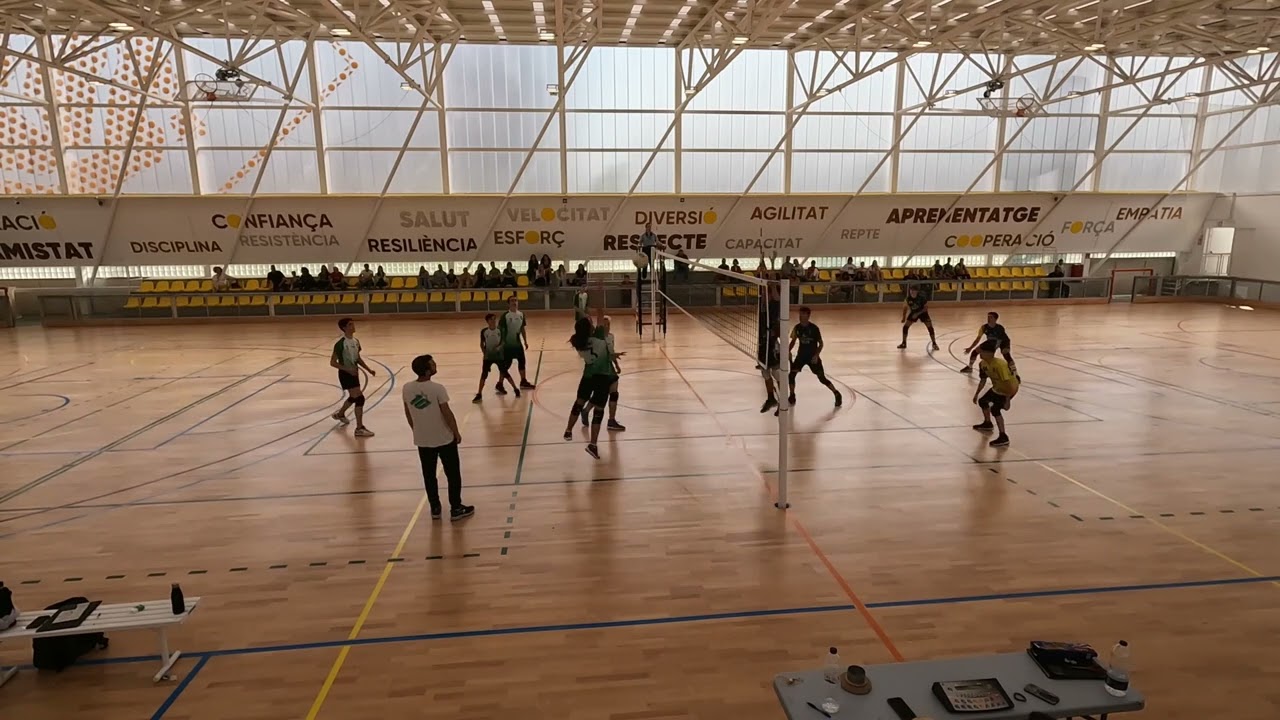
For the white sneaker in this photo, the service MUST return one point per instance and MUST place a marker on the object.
(340, 418)
(363, 432)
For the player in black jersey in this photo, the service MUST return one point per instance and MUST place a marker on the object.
(990, 330)
(809, 355)
(916, 308)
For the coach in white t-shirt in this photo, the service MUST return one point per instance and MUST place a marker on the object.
(435, 432)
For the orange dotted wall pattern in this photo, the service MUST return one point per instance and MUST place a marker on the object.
(95, 120)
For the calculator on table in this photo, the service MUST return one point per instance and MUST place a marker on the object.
(972, 696)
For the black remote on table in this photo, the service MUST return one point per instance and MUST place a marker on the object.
(1041, 693)
(902, 709)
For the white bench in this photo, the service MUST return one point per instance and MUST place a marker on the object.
(155, 615)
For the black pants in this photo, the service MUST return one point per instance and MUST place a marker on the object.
(448, 456)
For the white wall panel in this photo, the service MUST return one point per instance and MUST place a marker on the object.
(614, 172)
(843, 132)
(625, 78)
(1262, 126)
(245, 127)
(729, 172)
(951, 132)
(500, 129)
(924, 65)
(601, 130)
(1043, 171)
(832, 172)
(929, 172)
(756, 80)
(1246, 170)
(500, 76)
(365, 171)
(1071, 132)
(733, 132)
(1173, 86)
(288, 172)
(873, 93)
(351, 74)
(378, 128)
(492, 172)
(1143, 171)
(1152, 133)
(159, 172)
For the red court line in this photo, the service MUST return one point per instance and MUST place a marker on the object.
(874, 624)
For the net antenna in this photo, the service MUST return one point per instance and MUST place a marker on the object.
(750, 314)
(225, 85)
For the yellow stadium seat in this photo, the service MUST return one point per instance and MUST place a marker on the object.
(197, 301)
(316, 300)
(465, 296)
(132, 303)
(149, 302)
(898, 274)
(494, 296)
(165, 302)
(287, 300)
(352, 281)
(451, 297)
(870, 289)
(948, 287)
(726, 292)
(437, 297)
(1006, 272)
(378, 298)
(1044, 286)
(740, 291)
(411, 283)
(979, 272)
(204, 286)
(147, 286)
(183, 302)
(1019, 271)
(894, 289)
(162, 286)
(1041, 272)
(522, 281)
(349, 299)
(258, 301)
(251, 284)
(243, 300)
(969, 286)
(1005, 286)
(824, 275)
(397, 283)
(419, 297)
(754, 291)
(522, 296)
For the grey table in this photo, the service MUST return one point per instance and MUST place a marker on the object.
(913, 682)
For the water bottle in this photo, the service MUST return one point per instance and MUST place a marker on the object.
(1117, 682)
(832, 668)
(179, 602)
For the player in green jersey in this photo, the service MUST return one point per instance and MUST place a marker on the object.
(346, 359)
(592, 343)
(493, 354)
(515, 340)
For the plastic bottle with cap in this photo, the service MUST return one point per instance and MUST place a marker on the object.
(1117, 682)
(832, 668)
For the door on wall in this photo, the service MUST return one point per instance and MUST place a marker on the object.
(1218, 242)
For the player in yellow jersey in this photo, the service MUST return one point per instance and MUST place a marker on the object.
(1004, 385)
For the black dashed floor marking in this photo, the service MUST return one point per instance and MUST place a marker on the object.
(509, 520)
(156, 574)
(395, 560)
(1136, 517)
(993, 470)
(506, 535)
(1255, 509)
(1197, 513)
(73, 579)
(239, 569)
(277, 567)
(1106, 517)
(1224, 512)
(355, 562)
(1015, 482)
(467, 555)
(115, 577)
(1053, 503)
(504, 551)
(318, 564)
(1077, 517)
(1166, 514)
(197, 572)
(30, 582)
(1030, 491)
(435, 557)
(512, 506)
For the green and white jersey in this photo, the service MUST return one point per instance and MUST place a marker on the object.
(613, 353)
(347, 350)
(491, 341)
(579, 306)
(596, 358)
(511, 324)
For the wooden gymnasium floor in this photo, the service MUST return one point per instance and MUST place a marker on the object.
(1138, 500)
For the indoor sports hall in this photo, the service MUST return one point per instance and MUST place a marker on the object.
(797, 359)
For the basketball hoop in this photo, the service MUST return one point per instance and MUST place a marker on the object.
(206, 88)
(1026, 106)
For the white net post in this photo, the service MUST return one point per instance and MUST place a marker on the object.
(784, 394)
(656, 264)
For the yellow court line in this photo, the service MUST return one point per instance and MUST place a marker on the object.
(369, 603)
(1157, 523)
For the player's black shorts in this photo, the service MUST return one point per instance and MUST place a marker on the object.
(500, 362)
(515, 353)
(922, 317)
(993, 400)
(348, 381)
(802, 361)
(595, 388)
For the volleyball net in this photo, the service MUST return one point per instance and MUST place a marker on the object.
(749, 312)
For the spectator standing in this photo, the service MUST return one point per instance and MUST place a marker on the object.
(424, 277)
(480, 276)
(275, 279)
(436, 435)
(465, 280)
(532, 271)
(962, 272)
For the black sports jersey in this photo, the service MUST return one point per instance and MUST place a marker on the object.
(917, 303)
(807, 337)
(995, 332)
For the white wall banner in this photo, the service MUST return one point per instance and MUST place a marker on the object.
(430, 229)
(38, 232)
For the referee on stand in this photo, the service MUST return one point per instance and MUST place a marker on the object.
(647, 242)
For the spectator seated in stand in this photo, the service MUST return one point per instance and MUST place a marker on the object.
(962, 272)
(580, 275)
(509, 276)
(442, 279)
(811, 272)
(493, 278)
(275, 280)
(424, 277)
(466, 280)
(736, 267)
(380, 278)
(365, 279)
(542, 277)
(305, 282)
(480, 277)
(222, 282)
(336, 280)
(451, 280)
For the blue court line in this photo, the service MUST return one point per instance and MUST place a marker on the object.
(679, 619)
(182, 686)
(210, 417)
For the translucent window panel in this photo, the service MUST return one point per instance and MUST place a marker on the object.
(732, 132)
(38, 273)
(268, 68)
(28, 171)
(1171, 86)
(500, 129)
(873, 93)
(232, 172)
(243, 127)
(618, 130)
(944, 172)
(117, 63)
(1052, 132)
(379, 128)
(843, 132)
(1151, 133)
(492, 172)
(365, 171)
(23, 76)
(501, 76)
(951, 132)
(1262, 126)
(350, 74)
(614, 172)
(24, 126)
(952, 73)
(729, 172)
(1221, 79)
(147, 170)
(1143, 171)
(111, 126)
(838, 172)
(625, 78)
(1247, 170)
(1054, 82)
(1044, 171)
(755, 80)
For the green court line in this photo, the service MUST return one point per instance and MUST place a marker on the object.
(524, 446)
